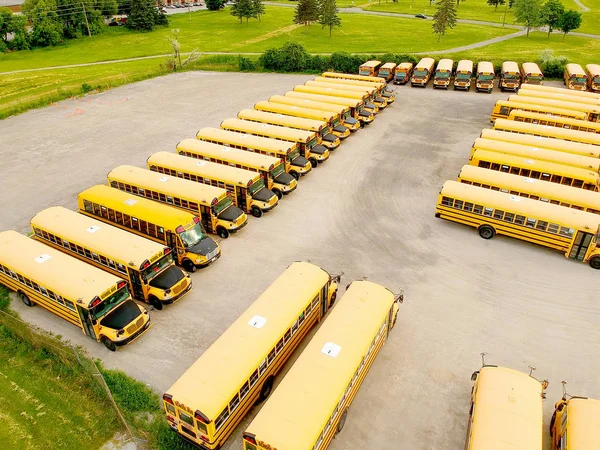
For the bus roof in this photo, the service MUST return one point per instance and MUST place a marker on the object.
(114, 243)
(561, 90)
(199, 167)
(358, 96)
(557, 101)
(281, 119)
(208, 149)
(178, 187)
(352, 103)
(271, 131)
(426, 63)
(343, 86)
(584, 423)
(444, 64)
(593, 70)
(371, 63)
(389, 66)
(296, 412)
(349, 76)
(245, 140)
(370, 87)
(48, 267)
(547, 131)
(230, 360)
(510, 67)
(531, 68)
(405, 65)
(142, 208)
(304, 103)
(524, 106)
(485, 67)
(547, 117)
(464, 65)
(509, 410)
(295, 111)
(575, 70)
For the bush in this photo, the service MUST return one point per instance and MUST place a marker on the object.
(345, 62)
(214, 5)
(552, 66)
(319, 63)
(246, 64)
(291, 57)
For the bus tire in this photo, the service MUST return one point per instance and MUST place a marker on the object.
(256, 211)
(595, 262)
(295, 174)
(313, 162)
(25, 299)
(278, 193)
(486, 231)
(189, 266)
(332, 300)
(155, 302)
(342, 421)
(108, 343)
(222, 232)
(266, 389)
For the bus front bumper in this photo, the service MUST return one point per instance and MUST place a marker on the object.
(178, 296)
(389, 97)
(462, 85)
(235, 230)
(320, 157)
(353, 125)
(266, 206)
(287, 188)
(366, 117)
(341, 131)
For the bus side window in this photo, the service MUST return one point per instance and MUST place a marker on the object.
(87, 205)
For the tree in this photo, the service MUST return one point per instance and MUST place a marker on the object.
(496, 3)
(160, 14)
(214, 5)
(6, 23)
(510, 3)
(306, 12)
(569, 21)
(107, 7)
(444, 17)
(259, 8)
(21, 35)
(528, 13)
(75, 18)
(45, 26)
(551, 13)
(328, 15)
(242, 9)
(141, 17)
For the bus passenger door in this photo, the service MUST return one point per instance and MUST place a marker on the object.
(86, 321)
(172, 244)
(136, 284)
(324, 299)
(580, 245)
(241, 194)
(205, 218)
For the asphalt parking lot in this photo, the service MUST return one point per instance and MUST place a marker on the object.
(369, 212)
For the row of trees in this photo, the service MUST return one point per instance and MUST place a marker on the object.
(247, 9)
(552, 14)
(325, 12)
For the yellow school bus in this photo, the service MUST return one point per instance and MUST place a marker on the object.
(343, 111)
(535, 168)
(561, 91)
(349, 76)
(566, 123)
(307, 141)
(368, 108)
(593, 74)
(288, 152)
(463, 75)
(503, 108)
(147, 267)
(573, 233)
(575, 424)
(537, 153)
(575, 77)
(485, 77)
(531, 73)
(311, 404)
(326, 138)
(403, 72)
(387, 71)
(181, 231)
(567, 96)
(93, 300)
(270, 168)
(357, 107)
(380, 86)
(369, 69)
(510, 76)
(381, 101)
(422, 73)
(443, 73)
(213, 205)
(591, 111)
(543, 191)
(211, 398)
(247, 188)
(332, 120)
(560, 145)
(514, 126)
(506, 410)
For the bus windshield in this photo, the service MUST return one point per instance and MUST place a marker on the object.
(277, 171)
(153, 269)
(510, 76)
(192, 236)
(463, 76)
(366, 72)
(443, 75)
(257, 186)
(110, 303)
(420, 73)
(293, 154)
(384, 73)
(312, 142)
(534, 77)
(486, 77)
(336, 121)
(222, 206)
(400, 74)
(578, 79)
(325, 130)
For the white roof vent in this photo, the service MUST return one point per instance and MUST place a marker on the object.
(331, 349)
(42, 258)
(163, 179)
(130, 201)
(257, 322)
(93, 229)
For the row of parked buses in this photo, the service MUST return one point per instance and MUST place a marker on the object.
(507, 412)
(535, 176)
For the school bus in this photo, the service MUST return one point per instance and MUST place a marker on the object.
(541, 154)
(422, 72)
(535, 168)
(463, 75)
(357, 107)
(569, 231)
(349, 76)
(531, 73)
(247, 188)
(368, 107)
(575, 77)
(506, 410)
(560, 145)
(485, 77)
(387, 71)
(513, 126)
(593, 74)
(503, 108)
(380, 100)
(147, 267)
(89, 298)
(568, 96)
(510, 77)
(380, 85)
(562, 91)
(211, 398)
(369, 69)
(591, 111)
(332, 120)
(270, 168)
(181, 231)
(307, 141)
(540, 190)
(554, 121)
(403, 72)
(343, 111)
(311, 404)
(213, 205)
(575, 424)
(443, 73)
(326, 138)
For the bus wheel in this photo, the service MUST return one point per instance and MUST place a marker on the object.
(594, 263)
(342, 421)
(332, 300)
(278, 193)
(109, 344)
(313, 162)
(25, 299)
(266, 388)
(189, 266)
(155, 302)
(222, 232)
(486, 232)
(256, 211)
(295, 175)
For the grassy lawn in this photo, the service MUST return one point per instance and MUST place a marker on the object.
(591, 19)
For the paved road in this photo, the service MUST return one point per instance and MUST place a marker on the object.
(368, 211)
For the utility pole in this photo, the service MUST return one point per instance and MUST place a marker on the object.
(86, 21)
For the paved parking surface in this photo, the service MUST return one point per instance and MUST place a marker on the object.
(368, 211)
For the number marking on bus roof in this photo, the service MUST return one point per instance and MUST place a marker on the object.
(201, 163)
(515, 198)
(93, 229)
(225, 148)
(529, 161)
(529, 180)
(42, 258)
(257, 322)
(130, 201)
(331, 349)
(534, 149)
(163, 179)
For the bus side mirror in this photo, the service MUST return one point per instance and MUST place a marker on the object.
(474, 375)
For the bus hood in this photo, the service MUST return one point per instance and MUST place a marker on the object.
(122, 316)
(299, 161)
(284, 178)
(318, 149)
(231, 213)
(203, 247)
(167, 278)
(330, 137)
(263, 195)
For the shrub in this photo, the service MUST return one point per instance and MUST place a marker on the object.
(291, 57)
(552, 66)
(345, 62)
(246, 64)
(319, 63)
(214, 5)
